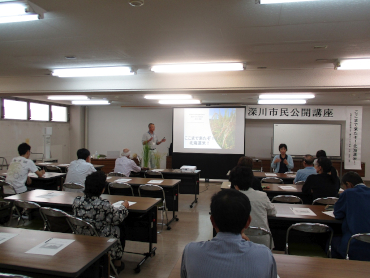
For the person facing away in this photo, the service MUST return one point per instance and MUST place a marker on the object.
(308, 169)
(19, 168)
(282, 162)
(353, 207)
(152, 140)
(125, 165)
(228, 254)
(248, 162)
(79, 169)
(105, 218)
(324, 184)
(241, 179)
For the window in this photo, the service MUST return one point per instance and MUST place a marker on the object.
(39, 112)
(14, 109)
(59, 113)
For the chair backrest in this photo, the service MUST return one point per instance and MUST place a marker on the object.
(124, 189)
(74, 186)
(258, 231)
(365, 237)
(116, 174)
(6, 275)
(300, 182)
(151, 190)
(55, 220)
(316, 228)
(76, 222)
(291, 199)
(3, 184)
(325, 201)
(272, 180)
(52, 168)
(26, 204)
(153, 174)
(258, 168)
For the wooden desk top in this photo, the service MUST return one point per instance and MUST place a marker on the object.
(46, 176)
(284, 212)
(66, 199)
(62, 165)
(278, 175)
(289, 266)
(139, 181)
(178, 171)
(69, 262)
(272, 187)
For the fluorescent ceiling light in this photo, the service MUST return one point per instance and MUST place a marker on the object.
(68, 97)
(281, 101)
(198, 67)
(286, 96)
(354, 64)
(87, 72)
(281, 1)
(19, 11)
(168, 96)
(189, 101)
(90, 102)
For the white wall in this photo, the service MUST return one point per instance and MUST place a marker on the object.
(77, 130)
(14, 133)
(112, 128)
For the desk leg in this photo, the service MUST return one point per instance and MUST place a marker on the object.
(196, 184)
(176, 199)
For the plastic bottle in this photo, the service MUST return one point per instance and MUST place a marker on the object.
(96, 155)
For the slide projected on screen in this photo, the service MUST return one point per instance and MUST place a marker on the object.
(209, 130)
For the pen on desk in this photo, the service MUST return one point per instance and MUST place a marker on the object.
(48, 240)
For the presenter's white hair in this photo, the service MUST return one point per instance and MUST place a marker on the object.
(126, 153)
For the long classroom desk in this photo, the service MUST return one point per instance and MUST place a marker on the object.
(287, 178)
(62, 166)
(144, 212)
(80, 258)
(50, 180)
(170, 188)
(289, 266)
(285, 217)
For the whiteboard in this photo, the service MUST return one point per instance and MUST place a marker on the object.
(303, 139)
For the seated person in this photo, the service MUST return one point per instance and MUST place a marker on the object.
(302, 174)
(79, 169)
(324, 184)
(228, 254)
(322, 153)
(282, 162)
(101, 214)
(248, 162)
(136, 159)
(241, 178)
(125, 165)
(353, 207)
(18, 170)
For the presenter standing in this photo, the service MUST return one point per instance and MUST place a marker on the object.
(152, 140)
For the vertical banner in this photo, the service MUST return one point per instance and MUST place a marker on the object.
(352, 159)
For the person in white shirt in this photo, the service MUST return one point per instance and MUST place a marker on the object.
(79, 169)
(241, 178)
(125, 165)
(18, 170)
(152, 140)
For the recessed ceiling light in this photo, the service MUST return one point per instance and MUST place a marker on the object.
(176, 68)
(281, 101)
(286, 96)
(88, 72)
(353, 64)
(68, 97)
(279, 1)
(19, 11)
(90, 102)
(168, 96)
(179, 101)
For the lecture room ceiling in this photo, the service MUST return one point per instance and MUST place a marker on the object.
(288, 42)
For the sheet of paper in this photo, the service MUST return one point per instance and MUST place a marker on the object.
(287, 187)
(50, 195)
(32, 175)
(51, 246)
(118, 204)
(44, 163)
(291, 176)
(63, 165)
(108, 178)
(157, 170)
(270, 175)
(303, 211)
(155, 181)
(122, 180)
(330, 213)
(341, 189)
(6, 236)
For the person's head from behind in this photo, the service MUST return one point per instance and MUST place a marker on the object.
(230, 211)
(351, 179)
(245, 161)
(283, 148)
(24, 150)
(83, 154)
(126, 152)
(95, 184)
(308, 160)
(151, 127)
(323, 165)
(241, 177)
(320, 153)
